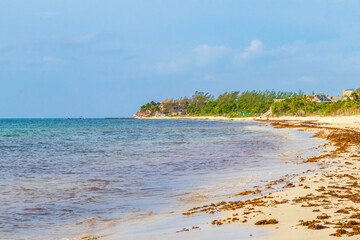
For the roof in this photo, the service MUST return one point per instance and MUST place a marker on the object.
(166, 101)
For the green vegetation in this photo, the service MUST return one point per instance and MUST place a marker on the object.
(254, 103)
(235, 104)
(151, 106)
(301, 105)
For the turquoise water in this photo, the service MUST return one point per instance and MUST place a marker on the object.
(59, 173)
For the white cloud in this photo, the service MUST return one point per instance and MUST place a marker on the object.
(217, 58)
(287, 49)
(201, 56)
(177, 64)
(255, 47)
(205, 54)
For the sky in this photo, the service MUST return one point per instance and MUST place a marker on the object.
(70, 58)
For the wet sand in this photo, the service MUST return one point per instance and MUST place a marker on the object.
(318, 205)
(313, 205)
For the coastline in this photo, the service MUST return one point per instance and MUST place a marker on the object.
(322, 200)
(340, 122)
(314, 206)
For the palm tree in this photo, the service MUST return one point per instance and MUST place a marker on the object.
(304, 99)
(293, 104)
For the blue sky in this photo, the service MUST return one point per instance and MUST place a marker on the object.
(63, 58)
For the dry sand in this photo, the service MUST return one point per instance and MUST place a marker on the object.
(344, 122)
(314, 205)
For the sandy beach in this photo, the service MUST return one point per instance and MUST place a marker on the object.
(195, 120)
(315, 205)
(312, 206)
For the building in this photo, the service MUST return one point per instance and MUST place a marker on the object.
(163, 104)
(319, 98)
(335, 98)
(347, 92)
(174, 107)
(322, 98)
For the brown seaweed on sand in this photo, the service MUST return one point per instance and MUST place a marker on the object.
(266, 222)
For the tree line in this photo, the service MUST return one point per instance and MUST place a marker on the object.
(255, 103)
(301, 105)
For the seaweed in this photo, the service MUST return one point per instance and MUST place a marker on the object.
(323, 216)
(266, 222)
(357, 216)
(344, 211)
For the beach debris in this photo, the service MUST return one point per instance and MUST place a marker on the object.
(275, 202)
(225, 206)
(355, 230)
(323, 216)
(88, 237)
(334, 189)
(216, 222)
(183, 230)
(357, 216)
(289, 185)
(342, 210)
(266, 222)
(248, 192)
(339, 233)
(314, 224)
(348, 224)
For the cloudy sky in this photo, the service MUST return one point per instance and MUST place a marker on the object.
(105, 58)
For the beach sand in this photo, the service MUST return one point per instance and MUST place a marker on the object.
(312, 205)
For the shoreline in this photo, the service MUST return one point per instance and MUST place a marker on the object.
(339, 122)
(321, 199)
(318, 205)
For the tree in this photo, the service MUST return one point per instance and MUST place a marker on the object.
(304, 99)
(250, 102)
(354, 96)
(226, 97)
(200, 98)
(293, 104)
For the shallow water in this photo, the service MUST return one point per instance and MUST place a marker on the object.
(61, 178)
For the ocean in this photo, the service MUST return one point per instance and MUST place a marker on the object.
(61, 178)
